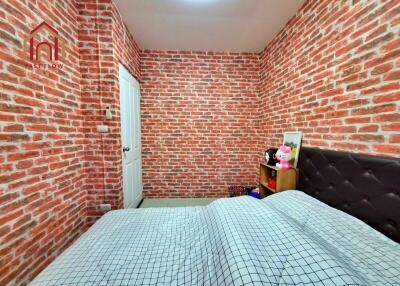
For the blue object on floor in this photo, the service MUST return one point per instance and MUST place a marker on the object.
(254, 195)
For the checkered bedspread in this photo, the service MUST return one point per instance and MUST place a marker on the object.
(286, 239)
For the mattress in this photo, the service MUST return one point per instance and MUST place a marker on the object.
(288, 238)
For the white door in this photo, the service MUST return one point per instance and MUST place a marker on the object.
(130, 136)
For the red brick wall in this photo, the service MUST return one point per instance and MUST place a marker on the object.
(333, 72)
(42, 202)
(55, 167)
(104, 43)
(199, 128)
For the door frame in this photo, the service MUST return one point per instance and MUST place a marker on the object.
(125, 72)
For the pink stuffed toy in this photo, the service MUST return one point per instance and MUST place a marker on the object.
(283, 155)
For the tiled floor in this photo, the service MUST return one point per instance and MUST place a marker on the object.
(159, 203)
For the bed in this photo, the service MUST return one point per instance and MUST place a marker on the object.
(290, 238)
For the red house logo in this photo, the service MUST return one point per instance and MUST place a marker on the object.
(36, 46)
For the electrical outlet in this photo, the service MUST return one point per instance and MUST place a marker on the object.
(102, 128)
(105, 207)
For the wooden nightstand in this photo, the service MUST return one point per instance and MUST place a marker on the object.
(285, 179)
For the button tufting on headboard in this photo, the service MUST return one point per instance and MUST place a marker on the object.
(364, 186)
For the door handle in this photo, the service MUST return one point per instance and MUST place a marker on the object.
(126, 149)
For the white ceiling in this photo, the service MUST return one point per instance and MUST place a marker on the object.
(206, 25)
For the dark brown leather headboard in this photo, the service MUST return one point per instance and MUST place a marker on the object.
(367, 187)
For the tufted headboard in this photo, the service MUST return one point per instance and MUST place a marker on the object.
(367, 187)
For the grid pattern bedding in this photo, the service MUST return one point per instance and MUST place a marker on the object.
(286, 239)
